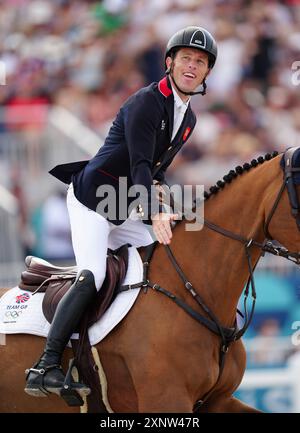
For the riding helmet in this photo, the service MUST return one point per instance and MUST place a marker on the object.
(194, 37)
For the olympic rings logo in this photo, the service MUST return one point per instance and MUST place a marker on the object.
(13, 314)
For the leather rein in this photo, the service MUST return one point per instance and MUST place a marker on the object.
(229, 335)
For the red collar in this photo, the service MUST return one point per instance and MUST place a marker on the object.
(164, 88)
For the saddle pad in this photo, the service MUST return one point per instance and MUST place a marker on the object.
(21, 312)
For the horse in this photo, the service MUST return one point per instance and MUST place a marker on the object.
(179, 357)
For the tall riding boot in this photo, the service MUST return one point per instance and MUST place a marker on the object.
(47, 376)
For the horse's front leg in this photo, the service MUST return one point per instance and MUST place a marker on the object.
(227, 404)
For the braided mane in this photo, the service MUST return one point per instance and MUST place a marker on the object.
(236, 172)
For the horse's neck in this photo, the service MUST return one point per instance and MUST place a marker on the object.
(217, 265)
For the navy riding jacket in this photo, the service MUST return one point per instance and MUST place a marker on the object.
(137, 150)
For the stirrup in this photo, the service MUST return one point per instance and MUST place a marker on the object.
(72, 396)
(70, 393)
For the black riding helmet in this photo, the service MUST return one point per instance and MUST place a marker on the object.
(193, 37)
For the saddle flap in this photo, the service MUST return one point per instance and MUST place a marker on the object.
(116, 267)
(54, 292)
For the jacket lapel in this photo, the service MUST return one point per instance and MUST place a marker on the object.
(164, 86)
(170, 111)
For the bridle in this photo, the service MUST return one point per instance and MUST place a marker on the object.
(270, 245)
(289, 183)
(229, 335)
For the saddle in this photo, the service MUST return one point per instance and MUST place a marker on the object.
(55, 281)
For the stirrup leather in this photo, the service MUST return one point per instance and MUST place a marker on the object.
(71, 396)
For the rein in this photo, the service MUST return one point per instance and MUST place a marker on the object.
(228, 335)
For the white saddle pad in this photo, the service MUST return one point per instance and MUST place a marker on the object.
(21, 311)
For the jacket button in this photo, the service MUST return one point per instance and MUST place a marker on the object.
(158, 163)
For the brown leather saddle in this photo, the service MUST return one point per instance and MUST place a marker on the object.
(54, 281)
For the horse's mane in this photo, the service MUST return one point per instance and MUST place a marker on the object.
(232, 174)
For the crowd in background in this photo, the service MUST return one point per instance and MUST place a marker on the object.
(90, 56)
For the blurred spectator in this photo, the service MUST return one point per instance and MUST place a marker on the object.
(265, 344)
(25, 234)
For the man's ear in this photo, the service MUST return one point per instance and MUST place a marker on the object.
(168, 63)
(207, 74)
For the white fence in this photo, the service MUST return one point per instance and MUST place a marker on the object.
(273, 390)
(10, 245)
(274, 385)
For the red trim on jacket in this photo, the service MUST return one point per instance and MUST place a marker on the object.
(164, 88)
(186, 133)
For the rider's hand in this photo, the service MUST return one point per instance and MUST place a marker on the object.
(161, 224)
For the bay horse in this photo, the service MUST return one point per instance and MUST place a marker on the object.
(159, 358)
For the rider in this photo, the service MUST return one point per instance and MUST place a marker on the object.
(150, 128)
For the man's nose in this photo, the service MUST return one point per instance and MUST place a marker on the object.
(192, 64)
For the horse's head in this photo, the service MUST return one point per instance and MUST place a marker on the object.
(282, 221)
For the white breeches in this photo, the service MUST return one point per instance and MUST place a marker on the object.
(92, 234)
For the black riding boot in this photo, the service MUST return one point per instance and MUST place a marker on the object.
(47, 376)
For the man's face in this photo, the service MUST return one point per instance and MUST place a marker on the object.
(190, 67)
